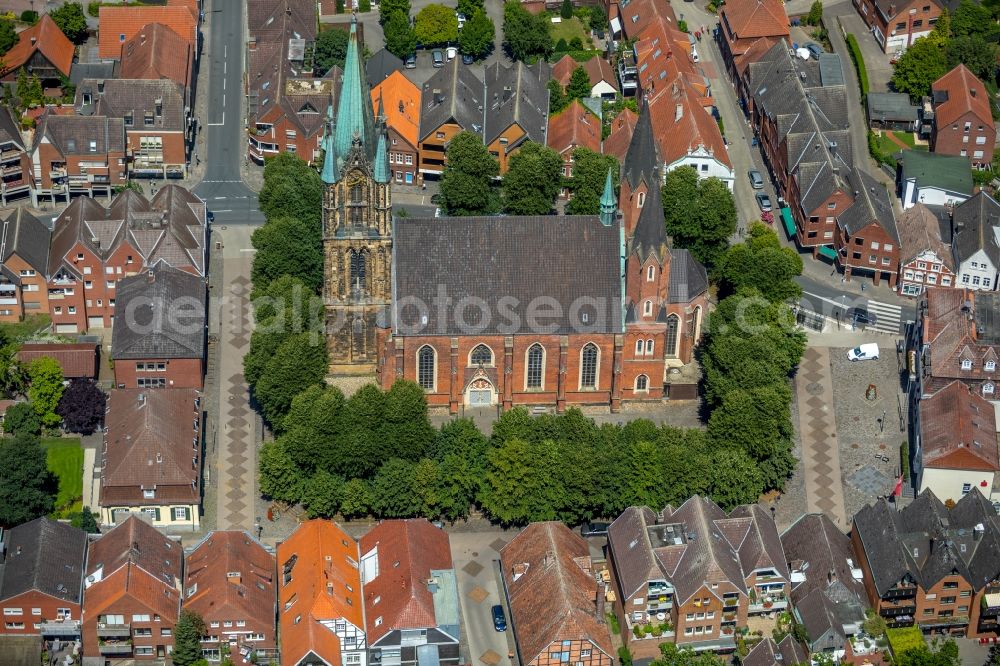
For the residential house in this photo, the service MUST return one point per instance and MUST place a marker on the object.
(451, 101)
(931, 566)
(24, 246)
(963, 123)
(695, 572)
(73, 155)
(151, 459)
(896, 24)
(381, 66)
(954, 442)
(319, 598)
(158, 339)
(769, 653)
(926, 260)
(827, 589)
(41, 579)
(132, 593)
(617, 142)
(410, 594)
(573, 127)
(892, 111)
(747, 30)
(158, 122)
(94, 247)
(556, 602)
(78, 360)
(15, 163)
(119, 24)
(975, 225)
(229, 581)
(866, 238)
(41, 50)
(934, 179)
(603, 81)
(157, 52)
(398, 101)
(516, 109)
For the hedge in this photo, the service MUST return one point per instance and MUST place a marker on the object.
(904, 639)
(904, 460)
(859, 64)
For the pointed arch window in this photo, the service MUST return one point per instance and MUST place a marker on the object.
(359, 270)
(535, 366)
(481, 355)
(642, 383)
(426, 362)
(588, 366)
(673, 326)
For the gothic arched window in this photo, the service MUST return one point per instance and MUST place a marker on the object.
(588, 366)
(673, 326)
(425, 367)
(536, 365)
(481, 355)
(359, 269)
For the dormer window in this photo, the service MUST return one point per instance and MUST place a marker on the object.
(147, 119)
(128, 119)
(988, 388)
(966, 364)
(990, 366)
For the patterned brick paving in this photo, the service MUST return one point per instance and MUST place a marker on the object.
(820, 451)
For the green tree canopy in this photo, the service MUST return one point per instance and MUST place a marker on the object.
(533, 180)
(356, 498)
(299, 362)
(8, 35)
(763, 263)
(468, 7)
(467, 181)
(671, 655)
(187, 636)
(20, 418)
(72, 21)
(330, 50)
(979, 55)
(526, 35)
(13, 374)
(322, 494)
(400, 39)
(476, 36)
(972, 18)
(579, 84)
(590, 170)
(386, 8)
(290, 246)
(436, 25)
(557, 97)
(27, 487)
(280, 478)
(291, 188)
(566, 10)
(393, 492)
(700, 213)
(46, 389)
(920, 65)
(815, 15)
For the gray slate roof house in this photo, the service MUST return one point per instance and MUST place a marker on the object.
(23, 234)
(452, 94)
(871, 204)
(72, 135)
(154, 105)
(380, 66)
(920, 230)
(517, 95)
(159, 314)
(973, 223)
(46, 556)
(891, 110)
(769, 653)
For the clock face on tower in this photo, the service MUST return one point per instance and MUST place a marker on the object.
(356, 179)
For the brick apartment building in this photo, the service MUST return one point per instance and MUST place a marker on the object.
(963, 123)
(132, 594)
(451, 101)
(24, 243)
(75, 155)
(554, 599)
(94, 247)
(516, 109)
(15, 163)
(694, 572)
(158, 339)
(930, 566)
(157, 52)
(747, 30)
(41, 579)
(398, 99)
(897, 24)
(926, 260)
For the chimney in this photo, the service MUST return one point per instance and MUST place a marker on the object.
(678, 112)
(831, 577)
(100, 87)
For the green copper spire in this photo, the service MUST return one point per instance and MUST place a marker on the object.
(381, 169)
(354, 108)
(329, 173)
(608, 202)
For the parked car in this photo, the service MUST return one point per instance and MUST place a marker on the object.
(865, 352)
(461, 20)
(210, 216)
(499, 619)
(438, 58)
(594, 529)
(815, 49)
(763, 202)
(860, 316)
(411, 61)
(467, 59)
(756, 180)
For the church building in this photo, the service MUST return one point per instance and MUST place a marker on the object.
(552, 311)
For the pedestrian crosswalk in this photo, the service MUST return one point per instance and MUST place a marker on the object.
(888, 317)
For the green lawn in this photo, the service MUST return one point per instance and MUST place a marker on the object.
(65, 458)
(568, 29)
(889, 147)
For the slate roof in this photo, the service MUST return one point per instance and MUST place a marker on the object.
(927, 541)
(973, 222)
(137, 97)
(44, 36)
(950, 330)
(268, 20)
(121, 23)
(78, 360)
(947, 172)
(44, 555)
(524, 257)
(551, 590)
(71, 135)
(157, 52)
(91, 70)
(890, 106)
(960, 92)
(688, 277)
(768, 653)
(408, 550)
(380, 66)
(452, 95)
(23, 234)
(871, 205)
(650, 235)
(919, 231)
(958, 430)
(642, 159)
(151, 438)
(140, 329)
(517, 95)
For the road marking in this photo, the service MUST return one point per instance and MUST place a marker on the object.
(222, 181)
(218, 198)
(219, 124)
(223, 210)
(248, 249)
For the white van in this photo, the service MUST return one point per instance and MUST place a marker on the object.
(865, 352)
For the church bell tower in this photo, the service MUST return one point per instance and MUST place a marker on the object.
(357, 223)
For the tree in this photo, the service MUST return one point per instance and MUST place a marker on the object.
(477, 35)
(533, 180)
(557, 96)
(979, 55)
(86, 521)
(598, 18)
(299, 362)
(874, 625)
(72, 21)
(386, 8)
(579, 84)
(288, 246)
(526, 35)
(946, 655)
(671, 655)
(406, 426)
(763, 263)
(972, 18)
(322, 494)
(13, 376)
(436, 25)
(46, 389)
(82, 406)
(330, 50)
(21, 417)
(757, 422)
(590, 170)
(291, 188)
(700, 213)
(364, 6)
(815, 15)
(279, 476)
(27, 487)
(519, 485)
(8, 36)
(393, 493)
(400, 40)
(356, 499)
(29, 89)
(466, 184)
(187, 636)
(566, 10)
(920, 65)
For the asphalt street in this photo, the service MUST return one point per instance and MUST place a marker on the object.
(228, 198)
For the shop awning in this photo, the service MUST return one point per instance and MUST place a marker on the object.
(828, 252)
(786, 218)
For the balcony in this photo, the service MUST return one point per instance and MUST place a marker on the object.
(765, 606)
(8, 154)
(118, 647)
(57, 173)
(628, 74)
(990, 605)
(113, 630)
(896, 611)
(10, 170)
(899, 621)
(901, 593)
(60, 628)
(944, 622)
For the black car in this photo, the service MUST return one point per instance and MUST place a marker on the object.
(499, 619)
(210, 216)
(594, 529)
(467, 59)
(860, 317)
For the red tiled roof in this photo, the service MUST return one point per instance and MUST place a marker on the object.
(44, 36)
(406, 602)
(75, 359)
(682, 125)
(599, 69)
(574, 127)
(563, 70)
(157, 52)
(958, 430)
(120, 24)
(756, 18)
(401, 105)
(621, 134)
(965, 93)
